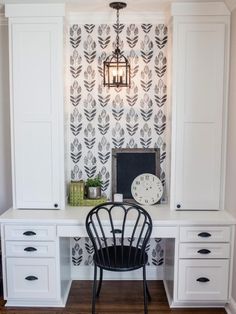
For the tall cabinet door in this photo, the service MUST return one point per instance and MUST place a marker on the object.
(198, 115)
(37, 112)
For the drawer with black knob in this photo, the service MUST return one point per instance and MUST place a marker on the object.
(204, 250)
(202, 280)
(30, 249)
(205, 234)
(29, 232)
(32, 278)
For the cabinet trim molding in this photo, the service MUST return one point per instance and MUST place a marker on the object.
(35, 10)
(208, 8)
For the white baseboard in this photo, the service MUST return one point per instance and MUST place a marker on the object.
(231, 307)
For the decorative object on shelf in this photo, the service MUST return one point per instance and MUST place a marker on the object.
(118, 197)
(93, 187)
(147, 189)
(76, 192)
(93, 202)
(116, 70)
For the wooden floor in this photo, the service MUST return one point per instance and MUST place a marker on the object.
(116, 297)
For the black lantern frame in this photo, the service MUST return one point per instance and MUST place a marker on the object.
(116, 67)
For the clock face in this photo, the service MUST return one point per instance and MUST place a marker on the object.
(146, 189)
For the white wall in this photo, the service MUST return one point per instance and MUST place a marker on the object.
(5, 157)
(231, 151)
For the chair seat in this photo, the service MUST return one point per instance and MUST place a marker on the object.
(120, 258)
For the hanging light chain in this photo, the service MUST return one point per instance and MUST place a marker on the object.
(117, 28)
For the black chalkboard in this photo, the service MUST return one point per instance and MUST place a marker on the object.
(127, 164)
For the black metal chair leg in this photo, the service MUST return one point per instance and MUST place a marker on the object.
(100, 283)
(94, 289)
(148, 293)
(145, 290)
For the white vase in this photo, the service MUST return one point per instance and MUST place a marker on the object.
(94, 192)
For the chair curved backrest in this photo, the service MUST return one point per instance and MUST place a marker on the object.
(129, 226)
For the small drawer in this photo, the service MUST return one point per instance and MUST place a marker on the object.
(203, 280)
(204, 250)
(205, 234)
(30, 233)
(31, 278)
(30, 249)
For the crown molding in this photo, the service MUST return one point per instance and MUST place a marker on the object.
(108, 18)
(203, 8)
(35, 10)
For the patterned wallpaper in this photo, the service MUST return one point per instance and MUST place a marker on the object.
(102, 118)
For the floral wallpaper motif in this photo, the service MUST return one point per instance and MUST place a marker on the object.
(103, 118)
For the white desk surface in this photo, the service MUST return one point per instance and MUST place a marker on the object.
(161, 216)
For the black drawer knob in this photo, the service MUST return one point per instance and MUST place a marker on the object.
(56, 205)
(204, 251)
(204, 234)
(31, 278)
(178, 206)
(30, 249)
(202, 279)
(29, 233)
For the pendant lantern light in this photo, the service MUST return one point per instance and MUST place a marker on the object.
(116, 72)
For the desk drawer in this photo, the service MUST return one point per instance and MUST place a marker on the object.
(30, 233)
(31, 278)
(205, 234)
(204, 250)
(203, 280)
(30, 249)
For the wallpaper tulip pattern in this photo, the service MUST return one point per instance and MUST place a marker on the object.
(103, 118)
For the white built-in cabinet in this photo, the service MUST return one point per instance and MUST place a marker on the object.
(37, 122)
(199, 102)
(200, 33)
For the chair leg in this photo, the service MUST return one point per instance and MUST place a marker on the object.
(94, 289)
(148, 293)
(100, 283)
(145, 290)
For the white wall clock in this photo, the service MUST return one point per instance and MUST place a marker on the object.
(147, 189)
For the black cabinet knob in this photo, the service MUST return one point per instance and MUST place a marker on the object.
(202, 279)
(30, 249)
(204, 234)
(204, 251)
(56, 205)
(178, 206)
(29, 233)
(31, 278)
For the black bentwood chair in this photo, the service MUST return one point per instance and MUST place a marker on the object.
(129, 226)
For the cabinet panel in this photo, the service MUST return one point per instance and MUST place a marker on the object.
(198, 97)
(204, 250)
(205, 234)
(37, 114)
(30, 233)
(30, 249)
(34, 278)
(203, 280)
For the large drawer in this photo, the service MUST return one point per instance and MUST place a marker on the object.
(30, 249)
(30, 232)
(205, 234)
(203, 280)
(31, 278)
(204, 250)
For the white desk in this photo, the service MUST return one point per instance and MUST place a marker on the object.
(41, 276)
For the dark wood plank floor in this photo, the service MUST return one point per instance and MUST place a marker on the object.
(116, 297)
